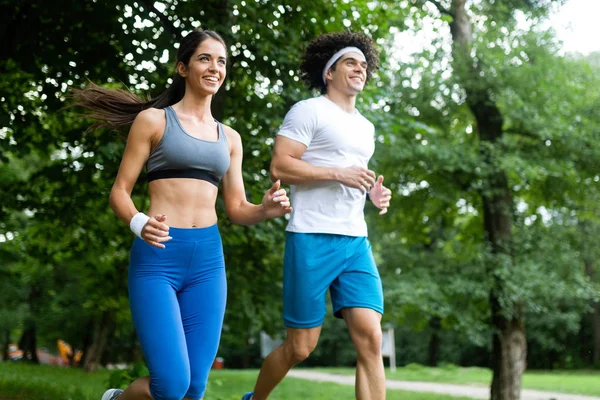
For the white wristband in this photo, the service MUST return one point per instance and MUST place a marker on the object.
(137, 223)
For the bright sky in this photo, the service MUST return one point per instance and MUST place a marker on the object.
(577, 25)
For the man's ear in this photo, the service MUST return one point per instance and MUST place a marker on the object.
(329, 74)
(182, 69)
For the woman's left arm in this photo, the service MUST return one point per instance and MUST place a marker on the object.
(275, 202)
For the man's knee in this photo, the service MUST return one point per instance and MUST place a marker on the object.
(298, 346)
(369, 341)
(298, 352)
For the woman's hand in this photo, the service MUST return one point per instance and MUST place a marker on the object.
(275, 202)
(156, 232)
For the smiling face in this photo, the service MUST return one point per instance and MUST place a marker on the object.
(348, 75)
(206, 69)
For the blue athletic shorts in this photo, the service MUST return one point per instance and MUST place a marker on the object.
(315, 262)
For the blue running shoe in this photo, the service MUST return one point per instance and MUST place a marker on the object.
(248, 396)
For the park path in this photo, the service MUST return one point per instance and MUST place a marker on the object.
(475, 392)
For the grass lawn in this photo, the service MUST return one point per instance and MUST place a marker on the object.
(27, 382)
(578, 382)
(23, 382)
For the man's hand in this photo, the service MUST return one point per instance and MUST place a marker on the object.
(356, 177)
(380, 195)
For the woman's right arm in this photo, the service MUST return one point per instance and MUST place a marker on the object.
(146, 126)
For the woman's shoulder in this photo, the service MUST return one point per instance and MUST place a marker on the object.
(231, 133)
(151, 116)
(149, 124)
(233, 138)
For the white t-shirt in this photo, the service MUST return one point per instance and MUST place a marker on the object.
(334, 138)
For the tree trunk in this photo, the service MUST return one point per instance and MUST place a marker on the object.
(28, 344)
(434, 342)
(509, 354)
(588, 230)
(594, 317)
(6, 344)
(595, 321)
(509, 348)
(246, 354)
(103, 327)
(134, 355)
(509, 345)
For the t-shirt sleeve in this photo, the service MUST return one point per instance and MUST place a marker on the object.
(300, 123)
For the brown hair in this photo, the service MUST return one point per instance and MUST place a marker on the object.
(116, 107)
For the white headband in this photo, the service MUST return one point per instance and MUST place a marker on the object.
(337, 55)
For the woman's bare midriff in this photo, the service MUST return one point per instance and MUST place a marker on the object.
(187, 203)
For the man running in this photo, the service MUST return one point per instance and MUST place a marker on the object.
(322, 150)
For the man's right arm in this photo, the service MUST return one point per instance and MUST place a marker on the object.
(288, 167)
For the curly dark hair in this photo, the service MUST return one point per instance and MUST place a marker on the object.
(320, 50)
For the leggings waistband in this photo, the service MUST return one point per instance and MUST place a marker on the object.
(193, 234)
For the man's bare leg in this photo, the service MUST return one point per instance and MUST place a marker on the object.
(296, 347)
(365, 330)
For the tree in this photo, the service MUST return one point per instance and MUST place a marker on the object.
(493, 135)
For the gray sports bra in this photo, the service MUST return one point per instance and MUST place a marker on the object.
(180, 155)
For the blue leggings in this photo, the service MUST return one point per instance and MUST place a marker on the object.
(177, 297)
